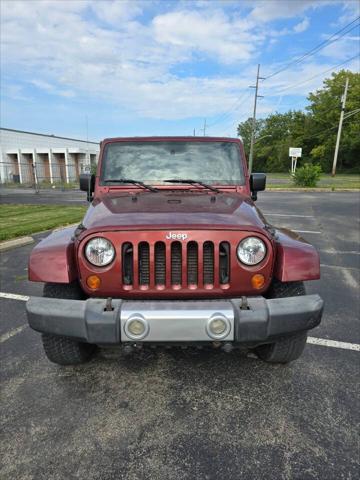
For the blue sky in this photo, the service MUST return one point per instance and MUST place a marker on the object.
(162, 67)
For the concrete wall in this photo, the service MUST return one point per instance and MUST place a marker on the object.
(11, 139)
(29, 158)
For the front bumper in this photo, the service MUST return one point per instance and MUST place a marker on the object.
(253, 320)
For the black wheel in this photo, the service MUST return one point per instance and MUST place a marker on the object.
(289, 348)
(285, 289)
(283, 351)
(68, 291)
(63, 350)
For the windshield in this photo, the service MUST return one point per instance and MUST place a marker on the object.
(215, 163)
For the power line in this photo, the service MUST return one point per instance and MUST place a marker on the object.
(314, 76)
(318, 47)
(331, 39)
(226, 114)
(350, 114)
(323, 131)
(235, 123)
(317, 134)
(346, 116)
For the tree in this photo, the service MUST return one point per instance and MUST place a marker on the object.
(245, 129)
(324, 112)
(314, 130)
(275, 135)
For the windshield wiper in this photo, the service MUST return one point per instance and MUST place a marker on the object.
(133, 182)
(193, 182)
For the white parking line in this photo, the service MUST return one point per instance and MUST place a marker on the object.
(14, 296)
(333, 343)
(11, 333)
(338, 267)
(307, 231)
(287, 215)
(312, 340)
(341, 252)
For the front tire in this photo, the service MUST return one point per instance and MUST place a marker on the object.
(291, 347)
(65, 351)
(59, 349)
(285, 289)
(283, 351)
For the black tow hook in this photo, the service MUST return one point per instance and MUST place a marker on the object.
(244, 304)
(108, 306)
(128, 349)
(227, 347)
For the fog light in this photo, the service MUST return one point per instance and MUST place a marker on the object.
(218, 327)
(258, 281)
(136, 327)
(93, 282)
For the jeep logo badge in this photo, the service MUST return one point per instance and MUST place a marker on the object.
(176, 236)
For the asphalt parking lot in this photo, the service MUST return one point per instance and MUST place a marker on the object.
(194, 415)
(46, 196)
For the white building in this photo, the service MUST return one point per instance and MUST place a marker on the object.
(35, 158)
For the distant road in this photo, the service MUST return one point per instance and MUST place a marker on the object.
(55, 197)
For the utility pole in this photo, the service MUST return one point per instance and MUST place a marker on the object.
(254, 118)
(343, 102)
(204, 129)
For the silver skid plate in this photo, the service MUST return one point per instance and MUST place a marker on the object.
(177, 321)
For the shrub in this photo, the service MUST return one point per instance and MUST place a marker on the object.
(307, 175)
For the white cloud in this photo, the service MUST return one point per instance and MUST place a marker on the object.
(343, 48)
(351, 10)
(302, 79)
(51, 88)
(115, 12)
(101, 50)
(302, 26)
(128, 67)
(268, 10)
(211, 33)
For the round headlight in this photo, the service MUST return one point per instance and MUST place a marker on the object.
(99, 251)
(251, 251)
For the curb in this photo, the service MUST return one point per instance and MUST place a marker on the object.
(21, 241)
(16, 242)
(58, 229)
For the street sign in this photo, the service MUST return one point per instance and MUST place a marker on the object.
(295, 152)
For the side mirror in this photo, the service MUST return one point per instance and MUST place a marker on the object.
(257, 184)
(87, 184)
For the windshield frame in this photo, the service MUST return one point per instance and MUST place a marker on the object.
(105, 145)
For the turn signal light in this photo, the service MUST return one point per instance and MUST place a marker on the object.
(93, 282)
(258, 281)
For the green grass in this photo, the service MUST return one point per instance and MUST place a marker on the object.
(20, 220)
(341, 180)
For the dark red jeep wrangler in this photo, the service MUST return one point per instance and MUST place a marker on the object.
(172, 251)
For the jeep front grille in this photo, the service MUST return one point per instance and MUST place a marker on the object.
(192, 263)
(208, 264)
(175, 264)
(160, 265)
